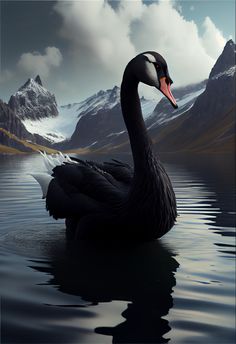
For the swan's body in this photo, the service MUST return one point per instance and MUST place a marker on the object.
(112, 200)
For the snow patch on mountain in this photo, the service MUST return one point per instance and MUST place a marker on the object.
(228, 73)
(102, 100)
(116, 134)
(188, 98)
(56, 129)
(184, 104)
(148, 107)
(46, 128)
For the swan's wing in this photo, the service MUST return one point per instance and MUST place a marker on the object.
(120, 171)
(76, 187)
(90, 180)
(78, 190)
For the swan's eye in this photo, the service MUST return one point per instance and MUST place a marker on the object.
(157, 66)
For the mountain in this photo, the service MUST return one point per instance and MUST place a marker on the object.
(60, 128)
(102, 120)
(87, 113)
(204, 121)
(210, 124)
(105, 127)
(33, 101)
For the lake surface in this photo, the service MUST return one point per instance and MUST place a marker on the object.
(180, 289)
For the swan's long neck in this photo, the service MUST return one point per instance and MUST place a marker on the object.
(132, 113)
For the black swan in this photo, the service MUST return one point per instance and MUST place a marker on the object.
(112, 200)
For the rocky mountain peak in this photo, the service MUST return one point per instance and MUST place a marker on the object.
(114, 94)
(33, 101)
(225, 62)
(38, 80)
(33, 85)
(230, 43)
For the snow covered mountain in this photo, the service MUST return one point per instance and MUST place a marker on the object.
(96, 121)
(107, 127)
(33, 101)
(60, 128)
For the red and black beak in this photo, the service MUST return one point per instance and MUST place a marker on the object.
(165, 89)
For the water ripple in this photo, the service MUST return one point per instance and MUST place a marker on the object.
(181, 288)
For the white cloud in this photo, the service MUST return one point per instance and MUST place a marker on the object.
(99, 35)
(179, 42)
(40, 63)
(130, 10)
(212, 40)
(103, 39)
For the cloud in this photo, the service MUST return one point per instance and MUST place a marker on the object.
(40, 64)
(212, 40)
(179, 42)
(103, 38)
(98, 34)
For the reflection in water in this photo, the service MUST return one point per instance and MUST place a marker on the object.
(141, 274)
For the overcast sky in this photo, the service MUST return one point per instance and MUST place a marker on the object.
(80, 47)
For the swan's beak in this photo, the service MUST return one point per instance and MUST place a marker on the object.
(165, 89)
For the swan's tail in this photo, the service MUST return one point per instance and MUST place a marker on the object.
(44, 180)
(53, 160)
(50, 162)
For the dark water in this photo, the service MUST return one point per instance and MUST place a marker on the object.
(180, 289)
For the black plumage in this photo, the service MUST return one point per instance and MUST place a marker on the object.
(111, 200)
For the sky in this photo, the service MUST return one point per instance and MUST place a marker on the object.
(81, 47)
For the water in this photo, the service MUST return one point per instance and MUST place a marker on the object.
(178, 290)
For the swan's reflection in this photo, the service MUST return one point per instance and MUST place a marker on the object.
(141, 274)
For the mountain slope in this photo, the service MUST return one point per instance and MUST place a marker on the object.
(210, 124)
(13, 133)
(11, 122)
(185, 97)
(105, 127)
(11, 143)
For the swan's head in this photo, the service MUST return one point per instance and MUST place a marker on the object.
(151, 69)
